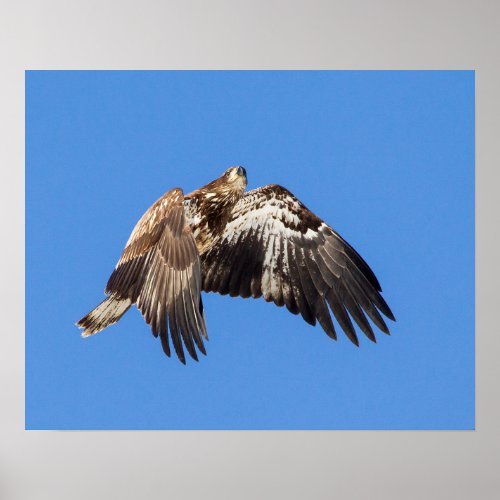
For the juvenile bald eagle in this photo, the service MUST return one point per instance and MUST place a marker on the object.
(262, 243)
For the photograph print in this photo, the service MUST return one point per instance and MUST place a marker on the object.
(343, 201)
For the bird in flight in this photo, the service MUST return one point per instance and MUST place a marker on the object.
(219, 238)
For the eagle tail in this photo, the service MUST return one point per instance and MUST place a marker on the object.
(109, 311)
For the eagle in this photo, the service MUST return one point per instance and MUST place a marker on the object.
(259, 243)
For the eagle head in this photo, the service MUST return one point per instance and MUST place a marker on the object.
(235, 177)
(224, 191)
(230, 185)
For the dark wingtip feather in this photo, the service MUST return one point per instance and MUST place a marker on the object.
(341, 315)
(390, 314)
(193, 355)
(354, 339)
(384, 308)
(356, 312)
(324, 318)
(383, 327)
(181, 357)
(166, 348)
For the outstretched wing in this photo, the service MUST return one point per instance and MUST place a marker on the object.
(159, 270)
(273, 246)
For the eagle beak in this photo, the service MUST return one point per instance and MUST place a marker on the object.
(242, 171)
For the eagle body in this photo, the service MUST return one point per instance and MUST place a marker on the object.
(260, 243)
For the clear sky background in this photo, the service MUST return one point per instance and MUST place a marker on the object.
(386, 158)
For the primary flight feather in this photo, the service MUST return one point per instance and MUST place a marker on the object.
(262, 243)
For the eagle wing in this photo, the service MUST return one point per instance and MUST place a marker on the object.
(273, 246)
(159, 270)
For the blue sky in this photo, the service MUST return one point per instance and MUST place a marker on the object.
(385, 157)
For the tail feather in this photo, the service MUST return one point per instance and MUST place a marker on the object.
(109, 311)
